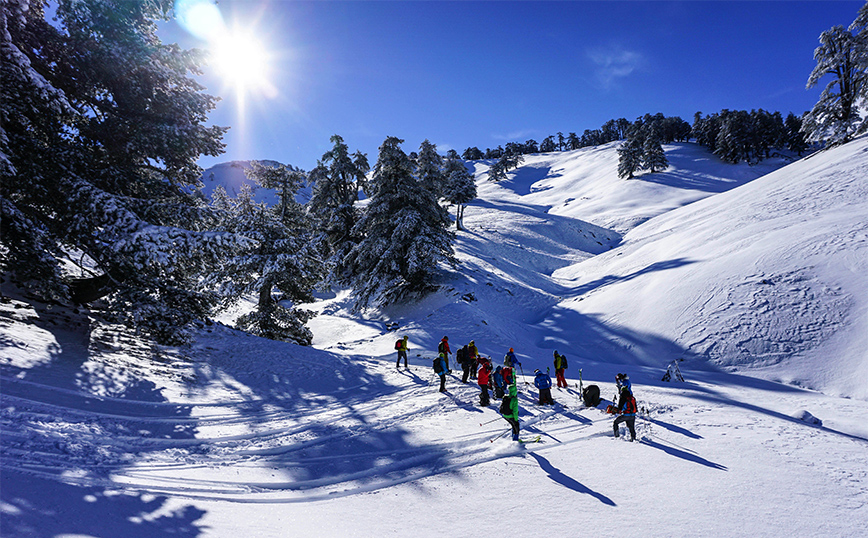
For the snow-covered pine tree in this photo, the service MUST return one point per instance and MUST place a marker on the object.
(336, 182)
(653, 156)
(283, 258)
(734, 137)
(284, 180)
(101, 131)
(405, 234)
(835, 118)
(429, 168)
(794, 137)
(460, 187)
(497, 171)
(630, 152)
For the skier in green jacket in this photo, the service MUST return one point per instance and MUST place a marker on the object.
(509, 410)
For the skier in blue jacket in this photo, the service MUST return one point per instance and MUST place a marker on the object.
(543, 382)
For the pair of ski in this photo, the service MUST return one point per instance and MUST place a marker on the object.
(537, 439)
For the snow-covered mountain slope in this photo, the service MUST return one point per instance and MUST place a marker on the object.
(770, 277)
(103, 434)
(584, 184)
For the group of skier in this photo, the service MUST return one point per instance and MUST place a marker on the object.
(502, 382)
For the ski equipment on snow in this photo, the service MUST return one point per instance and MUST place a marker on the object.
(671, 370)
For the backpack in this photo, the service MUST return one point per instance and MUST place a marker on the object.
(461, 355)
(398, 344)
(438, 366)
(506, 405)
(563, 361)
(441, 348)
(630, 408)
(591, 396)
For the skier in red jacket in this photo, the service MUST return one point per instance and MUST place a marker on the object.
(483, 377)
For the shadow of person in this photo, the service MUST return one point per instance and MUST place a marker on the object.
(568, 482)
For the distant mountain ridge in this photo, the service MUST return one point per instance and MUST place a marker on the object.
(231, 176)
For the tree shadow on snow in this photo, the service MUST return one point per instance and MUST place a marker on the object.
(103, 417)
(35, 507)
(568, 482)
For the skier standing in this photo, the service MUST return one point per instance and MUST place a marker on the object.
(463, 357)
(472, 355)
(543, 382)
(627, 413)
(508, 375)
(498, 383)
(401, 346)
(509, 360)
(484, 375)
(443, 347)
(509, 410)
(440, 369)
(560, 366)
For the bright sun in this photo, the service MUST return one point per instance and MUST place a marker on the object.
(242, 61)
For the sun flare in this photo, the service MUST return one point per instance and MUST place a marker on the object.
(242, 61)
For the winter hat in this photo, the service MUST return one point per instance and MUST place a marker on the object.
(511, 350)
(536, 371)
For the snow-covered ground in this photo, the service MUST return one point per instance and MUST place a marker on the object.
(757, 281)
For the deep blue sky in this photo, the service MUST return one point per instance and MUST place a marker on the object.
(485, 73)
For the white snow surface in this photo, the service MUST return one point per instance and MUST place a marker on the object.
(754, 276)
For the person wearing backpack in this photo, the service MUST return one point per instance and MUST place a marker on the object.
(443, 347)
(440, 369)
(498, 383)
(401, 347)
(509, 360)
(462, 356)
(484, 375)
(509, 410)
(560, 366)
(508, 375)
(626, 413)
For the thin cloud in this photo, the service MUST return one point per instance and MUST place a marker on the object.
(613, 64)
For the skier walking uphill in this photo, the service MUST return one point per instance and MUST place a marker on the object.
(627, 412)
(509, 410)
(560, 366)
(484, 375)
(401, 346)
(443, 347)
(543, 382)
(440, 369)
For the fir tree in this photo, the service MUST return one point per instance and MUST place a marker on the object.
(283, 258)
(336, 183)
(653, 157)
(100, 138)
(429, 168)
(835, 118)
(795, 138)
(405, 234)
(630, 152)
(461, 188)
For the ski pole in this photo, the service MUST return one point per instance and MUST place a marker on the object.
(498, 436)
(489, 422)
